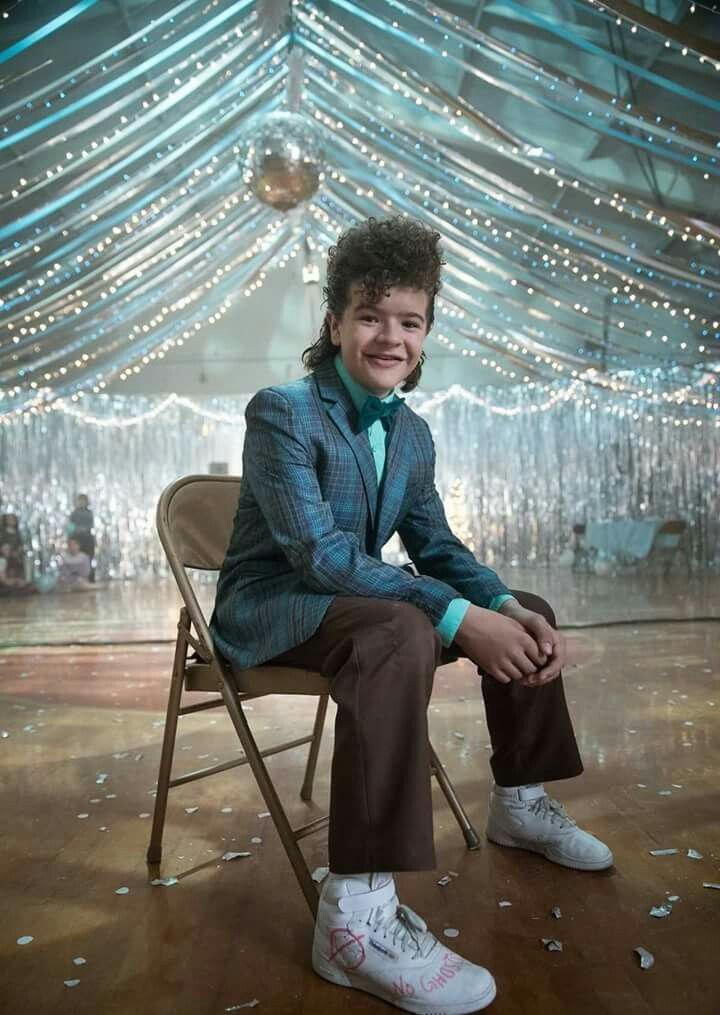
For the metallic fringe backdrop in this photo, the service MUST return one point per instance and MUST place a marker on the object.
(514, 481)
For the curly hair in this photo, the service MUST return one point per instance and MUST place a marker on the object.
(377, 255)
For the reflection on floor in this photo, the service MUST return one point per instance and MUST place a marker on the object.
(80, 749)
(147, 611)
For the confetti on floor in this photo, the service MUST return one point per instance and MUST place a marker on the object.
(551, 944)
(647, 959)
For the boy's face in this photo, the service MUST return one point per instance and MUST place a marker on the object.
(380, 343)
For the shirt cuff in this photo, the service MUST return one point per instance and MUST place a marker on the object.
(497, 601)
(452, 619)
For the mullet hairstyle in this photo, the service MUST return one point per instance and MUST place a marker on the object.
(377, 255)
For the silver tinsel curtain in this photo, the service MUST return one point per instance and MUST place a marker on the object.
(513, 484)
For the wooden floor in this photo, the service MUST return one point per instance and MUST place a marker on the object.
(80, 758)
(146, 611)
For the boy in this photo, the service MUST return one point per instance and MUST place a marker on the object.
(333, 465)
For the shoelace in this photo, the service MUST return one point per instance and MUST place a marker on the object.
(405, 928)
(546, 807)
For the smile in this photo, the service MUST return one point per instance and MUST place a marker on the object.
(383, 360)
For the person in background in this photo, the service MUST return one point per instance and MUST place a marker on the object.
(8, 585)
(74, 571)
(13, 548)
(12, 559)
(82, 528)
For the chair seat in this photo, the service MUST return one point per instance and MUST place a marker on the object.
(258, 680)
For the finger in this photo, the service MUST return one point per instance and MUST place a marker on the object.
(542, 632)
(525, 664)
(534, 680)
(511, 670)
(548, 673)
(543, 676)
(559, 653)
(531, 650)
(499, 676)
(561, 649)
(547, 680)
(548, 639)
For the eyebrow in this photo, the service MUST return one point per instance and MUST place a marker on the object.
(375, 309)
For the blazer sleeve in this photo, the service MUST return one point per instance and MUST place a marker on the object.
(279, 467)
(437, 552)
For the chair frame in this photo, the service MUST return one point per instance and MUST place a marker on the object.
(210, 672)
(667, 554)
(583, 556)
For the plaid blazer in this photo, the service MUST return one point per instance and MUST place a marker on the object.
(310, 524)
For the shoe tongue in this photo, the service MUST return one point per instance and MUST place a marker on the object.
(339, 885)
(360, 884)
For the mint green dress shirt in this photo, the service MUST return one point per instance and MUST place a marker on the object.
(455, 613)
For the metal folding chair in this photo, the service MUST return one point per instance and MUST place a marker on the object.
(194, 522)
(670, 540)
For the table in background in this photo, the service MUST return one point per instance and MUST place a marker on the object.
(622, 538)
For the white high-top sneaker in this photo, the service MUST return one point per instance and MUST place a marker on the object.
(365, 939)
(527, 818)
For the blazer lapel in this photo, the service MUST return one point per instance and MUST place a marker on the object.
(394, 477)
(341, 410)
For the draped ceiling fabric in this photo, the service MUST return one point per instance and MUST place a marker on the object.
(566, 150)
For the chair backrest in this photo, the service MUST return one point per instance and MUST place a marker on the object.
(670, 533)
(194, 522)
(673, 527)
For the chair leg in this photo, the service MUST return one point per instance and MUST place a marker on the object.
(307, 786)
(154, 852)
(471, 837)
(277, 812)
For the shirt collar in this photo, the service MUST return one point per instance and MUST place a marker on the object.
(357, 392)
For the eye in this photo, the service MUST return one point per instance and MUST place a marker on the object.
(410, 324)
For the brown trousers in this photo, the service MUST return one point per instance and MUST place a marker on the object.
(380, 656)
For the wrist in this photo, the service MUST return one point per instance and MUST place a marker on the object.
(468, 626)
(511, 606)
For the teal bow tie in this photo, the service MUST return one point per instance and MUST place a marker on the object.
(374, 409)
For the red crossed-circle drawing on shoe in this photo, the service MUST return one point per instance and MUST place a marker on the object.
(348, 947)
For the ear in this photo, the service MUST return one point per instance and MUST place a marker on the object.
(333, 324)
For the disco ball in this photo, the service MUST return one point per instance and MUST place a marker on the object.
(283, 161)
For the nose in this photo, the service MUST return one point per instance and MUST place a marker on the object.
(390, 333)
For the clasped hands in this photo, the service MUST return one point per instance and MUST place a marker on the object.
(512, 643)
